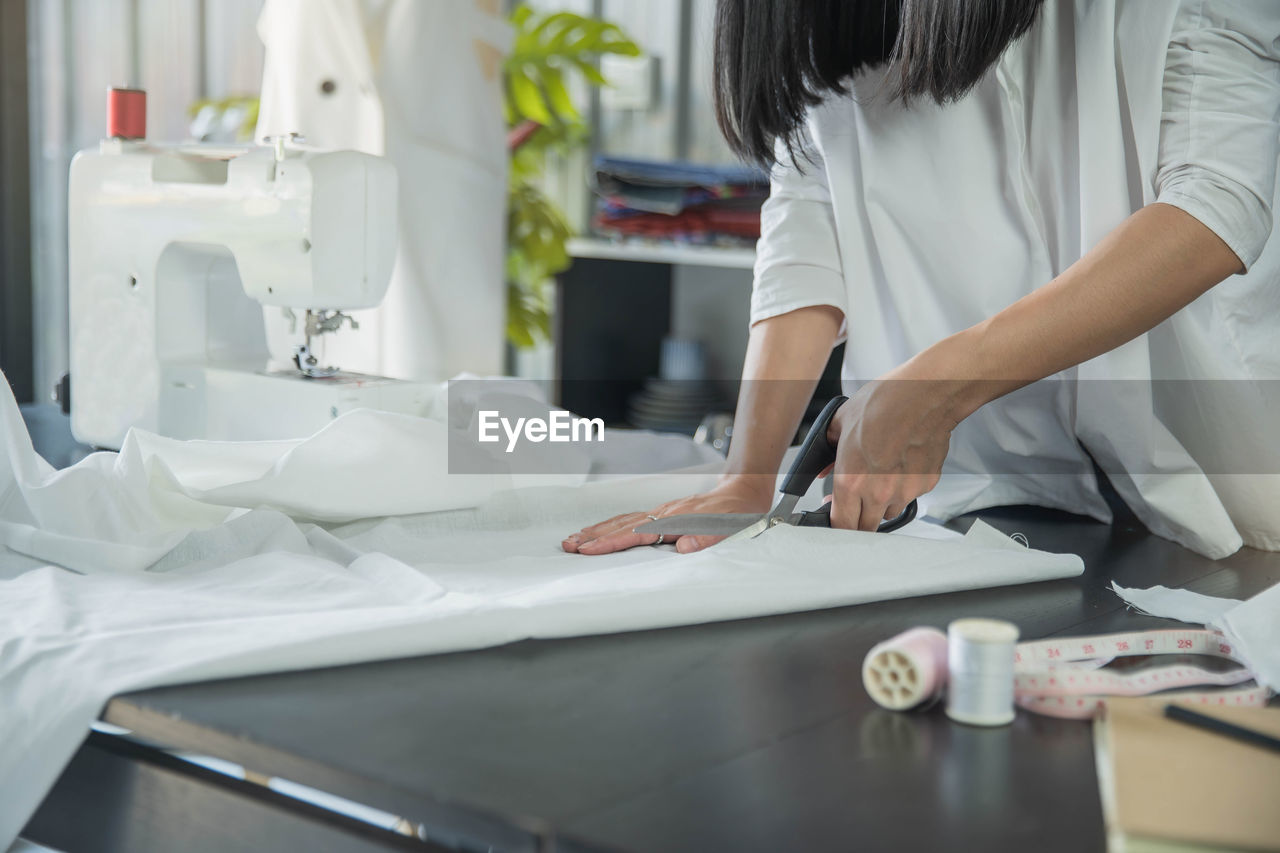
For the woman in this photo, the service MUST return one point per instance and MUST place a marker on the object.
(979, 196)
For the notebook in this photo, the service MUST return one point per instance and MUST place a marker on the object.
(1168, 786)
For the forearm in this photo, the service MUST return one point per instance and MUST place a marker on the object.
(1153, 264)
(785, 356)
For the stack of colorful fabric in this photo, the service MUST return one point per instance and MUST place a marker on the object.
(679, 202)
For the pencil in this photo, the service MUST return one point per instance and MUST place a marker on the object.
(1212, 724)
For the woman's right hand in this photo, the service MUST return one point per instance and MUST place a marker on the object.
(618, 533)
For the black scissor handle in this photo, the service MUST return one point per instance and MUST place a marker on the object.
(821, 517)
(816, 453)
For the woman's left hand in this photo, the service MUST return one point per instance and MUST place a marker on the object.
(891, 438)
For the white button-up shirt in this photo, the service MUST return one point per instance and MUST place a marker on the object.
(920, 222)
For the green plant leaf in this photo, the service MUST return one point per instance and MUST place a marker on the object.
(590, 72)
(553, 26)
(529, 99)
(547, 50)
(558, 96)
(622, 47)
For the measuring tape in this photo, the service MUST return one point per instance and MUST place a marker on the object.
(1060, 677)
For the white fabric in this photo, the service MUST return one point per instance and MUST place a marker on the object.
(121, 512)
(188, 568)
(418, 82)
(1252, 626)
(921, 222)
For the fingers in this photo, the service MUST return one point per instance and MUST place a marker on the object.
(871, 515)
(690, 544)
(619, 541)
(626, 521)
(855, 514)
(616, 534)
(864, 502)
(846, 511)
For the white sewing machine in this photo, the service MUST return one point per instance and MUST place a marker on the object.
(174, 251)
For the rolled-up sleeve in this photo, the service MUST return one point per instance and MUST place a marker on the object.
(798, 255)
(1220, 119)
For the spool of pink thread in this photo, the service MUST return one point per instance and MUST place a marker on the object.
(907, 670)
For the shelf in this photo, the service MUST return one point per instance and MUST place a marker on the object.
(660, 253)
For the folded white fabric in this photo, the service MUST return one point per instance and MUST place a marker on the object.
(1252, 626)
(213, 568)
(123, 511)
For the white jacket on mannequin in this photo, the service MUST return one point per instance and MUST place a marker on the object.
(419, 82)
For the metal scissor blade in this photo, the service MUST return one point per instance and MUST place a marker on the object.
(701, 524)
(740, 525)
(754, 530)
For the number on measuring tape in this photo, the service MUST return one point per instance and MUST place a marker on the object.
(1063, 677)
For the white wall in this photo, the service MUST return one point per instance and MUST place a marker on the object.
(178, 50)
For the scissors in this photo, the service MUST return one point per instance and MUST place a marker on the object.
(816, 453)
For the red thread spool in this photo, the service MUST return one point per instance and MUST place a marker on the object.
(126, 113)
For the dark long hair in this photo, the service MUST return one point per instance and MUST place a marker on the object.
(774, 59)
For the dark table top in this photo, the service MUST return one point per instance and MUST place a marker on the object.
(745, 735)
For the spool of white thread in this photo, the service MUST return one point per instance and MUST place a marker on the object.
(980, 671)
(907, 670)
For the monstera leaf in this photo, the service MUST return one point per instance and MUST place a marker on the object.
(546, 49)
(549, 51)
